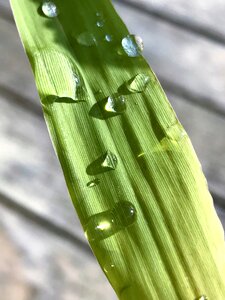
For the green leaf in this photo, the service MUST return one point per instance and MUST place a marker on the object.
(129, 165)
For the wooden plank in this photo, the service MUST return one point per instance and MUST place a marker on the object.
(204, 16)
(38, 265)
(178, 57)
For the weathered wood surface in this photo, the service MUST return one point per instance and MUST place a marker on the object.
(39, 229)
(36, 264)
(204, 17)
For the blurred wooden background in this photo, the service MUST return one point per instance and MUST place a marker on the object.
(44, 255)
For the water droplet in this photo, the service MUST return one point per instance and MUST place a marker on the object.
(49, 9)
(99, 14)
(108, 38)
(77, 80)
(115, 104)
(93, 183)
(132, 45)
(203, 297)
(100, 23)
(110, 161)
(176, 132)
(107, 223)
(86, 39)
(139, 83)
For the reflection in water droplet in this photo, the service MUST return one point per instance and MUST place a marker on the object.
(139, 83)
(110, 161)
(86, 39)
(107, 223)
(108, 38)
(93, 183)
(100, 23)
(115, 104)
(203, 297)
(49, 9)
(133, 45)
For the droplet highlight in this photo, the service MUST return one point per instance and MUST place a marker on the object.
(132, 45)
(203, 297)
(115, 104)
(108, 223)
(100, 23)
(86, 39)
(77, 80)
(139, 83)
(49, 9)
(110, 161)
(93, 183)
(108, 38)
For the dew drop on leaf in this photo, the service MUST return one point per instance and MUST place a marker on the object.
(49, 9)
(100, 23)
(110, 161)
(77, 80)
(115, 104)
(203, 297)
(86, 39)
(132, 45)
(107, 223)
(93, 183)
(139, 83)
(108, 38)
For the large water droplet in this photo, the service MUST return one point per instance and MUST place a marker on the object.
(132, 45)
(86, 39)
(115, 104)
(110, 161)
(93, 183)
(107, 223)
(49, 9)
(108, 38)
(203, 297)
(139, 83)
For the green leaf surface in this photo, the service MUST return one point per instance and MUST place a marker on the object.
(129, 165)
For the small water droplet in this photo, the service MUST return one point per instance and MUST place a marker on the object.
(176, 132)
(107, 223)
(99, 14)
(133, 45)
(115, 104)
(100, 23)
(49, 9)
(77, 80)
(139, 83)
(108, 38)
(86, 39)
(203, 297)
(93, 183)
(110, 161)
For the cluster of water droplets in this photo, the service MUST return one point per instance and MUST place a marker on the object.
(107, 223)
